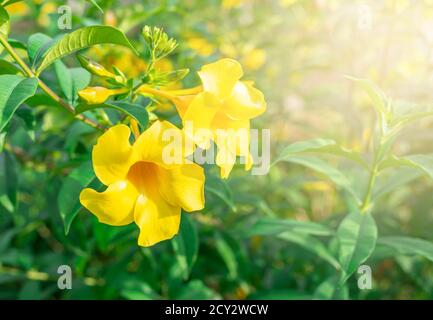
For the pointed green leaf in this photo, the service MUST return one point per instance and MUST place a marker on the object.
(136, 111)
(69, 194)
(423, 162)
(81, 39)
(274, 226)
(311, 244)
(330, 289)
(95, 4)
(71, 80)
(4, 23)
(14, 90)
(377, 96)
(357, 236)
(228, 256)
(324, 168)
(7, 67)
(320, 146)
(8, 181)
(37, 45)
(408, 246)
(186, 245)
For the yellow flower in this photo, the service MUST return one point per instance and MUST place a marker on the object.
(98, 95)
(223, 106)
(142, 187)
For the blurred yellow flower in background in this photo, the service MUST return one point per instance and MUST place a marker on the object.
(201, 46)
(228, 4)
(18, 8)
(254, 59)
(44, 15)
(142, 187)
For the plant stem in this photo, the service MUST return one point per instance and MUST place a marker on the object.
(366, 204)
(29, 73)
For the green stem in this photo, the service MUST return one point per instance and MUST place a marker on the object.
(29, 73)
(366, 204)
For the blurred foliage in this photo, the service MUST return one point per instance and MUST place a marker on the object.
(286, 235)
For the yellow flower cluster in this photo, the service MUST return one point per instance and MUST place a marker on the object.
(145, 189)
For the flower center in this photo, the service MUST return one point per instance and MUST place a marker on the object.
(144, 176)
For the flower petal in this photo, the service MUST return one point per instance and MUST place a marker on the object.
(150, 146)
(156, 218)
(220, 77)
(114, 206)
(233, 139)
(112, 155)
(199, 117)
(246, 102)
(183, 186)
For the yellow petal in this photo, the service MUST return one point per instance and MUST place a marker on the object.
(233, 139)
(182, 103)
(157, 220)
(114, 206)
(220, 77)
(246, 102)
(150, 145)
(200, 115)
(112, 155)
(183, 186)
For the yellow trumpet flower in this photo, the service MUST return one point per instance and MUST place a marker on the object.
(223, 106)
(142, 188)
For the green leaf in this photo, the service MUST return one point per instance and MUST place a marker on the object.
(397, 179)
(409, 246)
(320, 146)
(69, 194)
(324, 168)
(357, 236)
(196, 290)
(81, 39)
(94, 3)
(8, 181)
(14, 90)
(37, 45)
(311, 244)
(137, 290)
(422, 162)
(4, 23)
(331, 289)
(228, 256)
(71, 80)
(7, 67)
(378, 98)
(186, 245)
(273, 226)
(64, 78)
(219, 188)
(136, 111)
